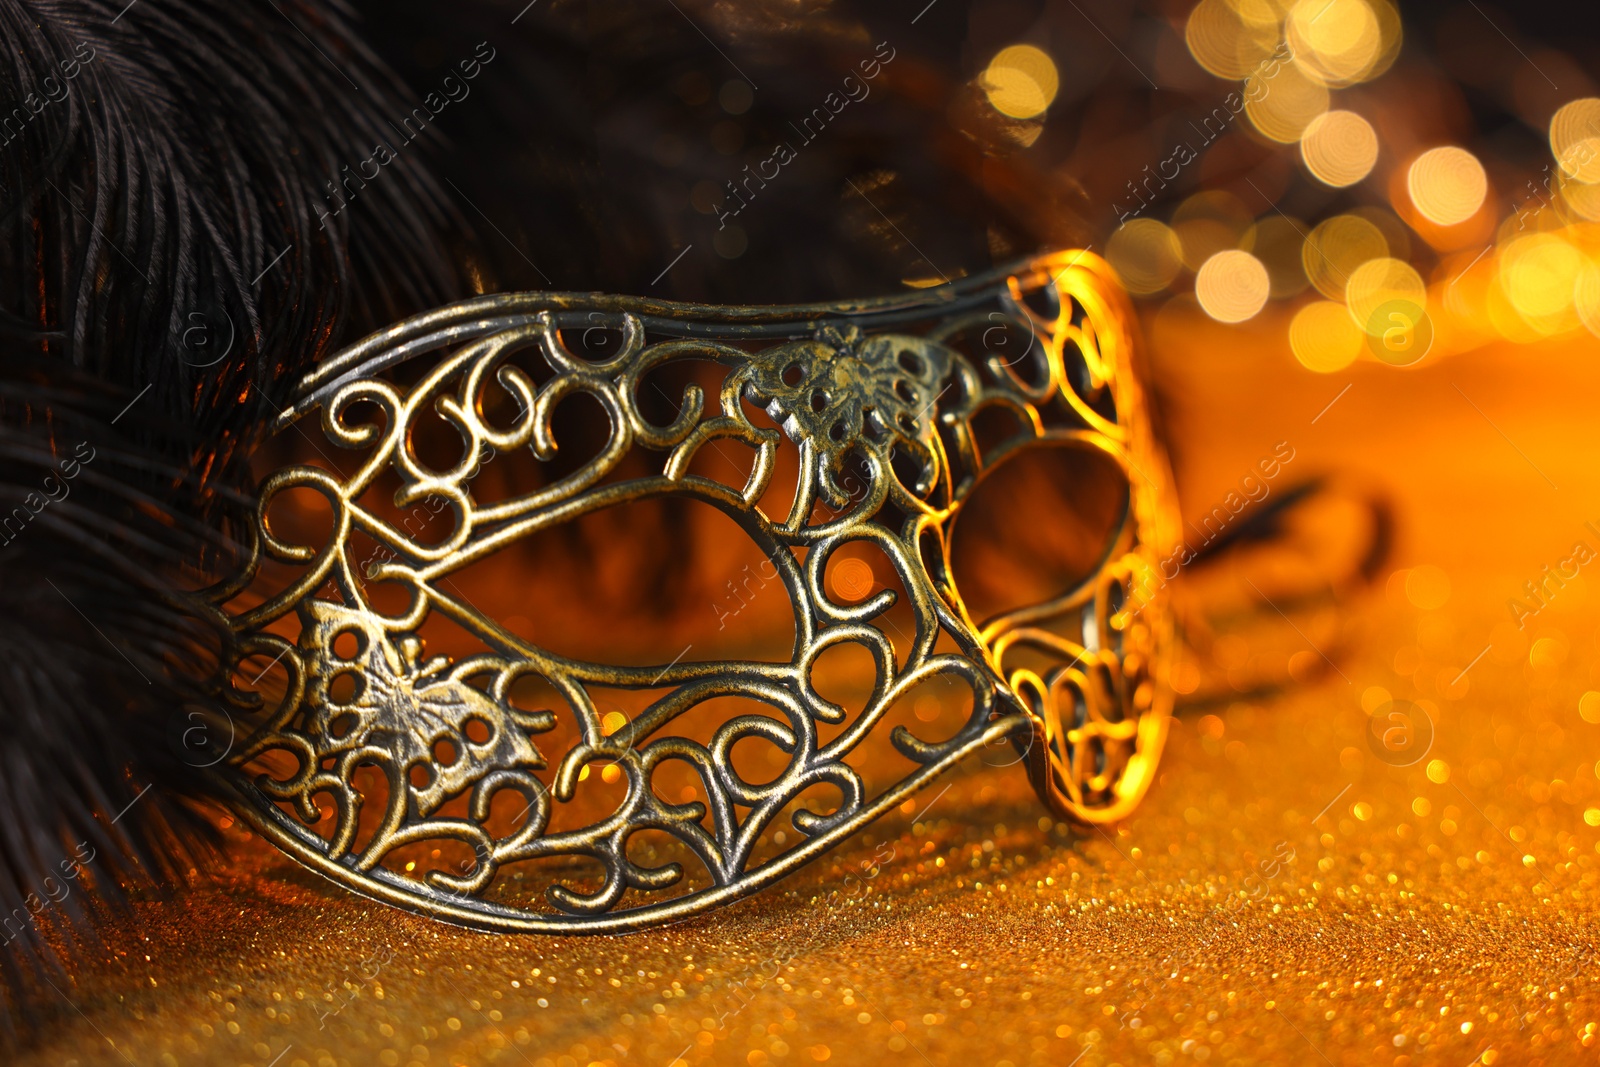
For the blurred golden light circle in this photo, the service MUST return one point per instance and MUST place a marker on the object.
(1396, 234)
(1323, 338)
(1548, 653)
(1378, 281)
(1276, 241)
(1447, 185)
(1261, 14)
(1230, 40)
(1393, 34)
(1581, 160)
(1336, 248)
(1583, 199)
(1335, 42)
(1428, 587)
(1021, 81)
(852, 579)
(1539, 216)
(1575, 138)
(1281, 100)
(1539, 274)
(1503, 316)
(1232, 286)
(1209, 222)
(1146, 254)
(1586, 296)
(1399, 332)
(1339, 147)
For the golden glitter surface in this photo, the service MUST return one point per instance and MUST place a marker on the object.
(1303, 885)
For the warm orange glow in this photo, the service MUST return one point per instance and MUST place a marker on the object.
(1586, 296)
(852, 579)
(1428, 587)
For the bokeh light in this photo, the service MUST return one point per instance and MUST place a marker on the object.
(1581, 198)
(1395, 233)
(1323, 338)
(1021, 81)
(1575, 139)
(1281, 101)
(1447, 185)
(1406, 256)
(1147, 255)
(1428, 587)
(1376, 283)
(1586, 296)
(1232, 286)
(1336, 248)
(1208, 223)
(852, 579)
(1539, 274)
(1339, 148)
(1230, 40)
(1335, 42)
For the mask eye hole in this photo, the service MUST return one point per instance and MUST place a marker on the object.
(1036, 526)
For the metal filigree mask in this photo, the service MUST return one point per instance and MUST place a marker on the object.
(459, 785)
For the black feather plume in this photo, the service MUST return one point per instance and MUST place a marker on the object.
(169, 264)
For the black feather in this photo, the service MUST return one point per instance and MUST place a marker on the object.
(169, 264)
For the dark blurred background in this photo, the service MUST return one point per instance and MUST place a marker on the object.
(599, 143)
